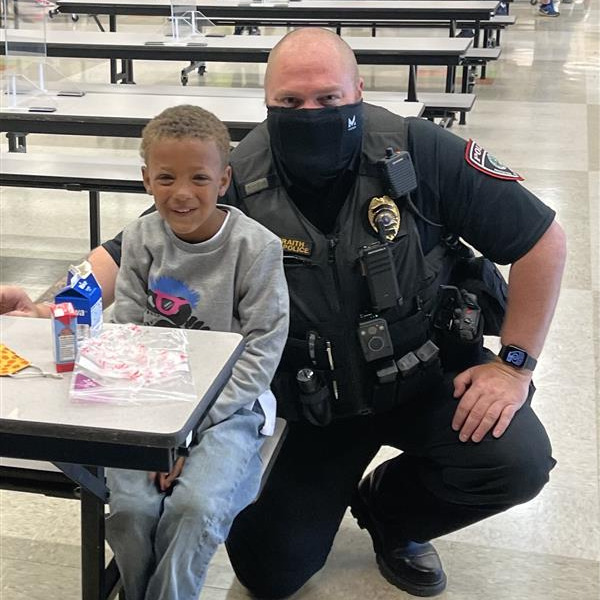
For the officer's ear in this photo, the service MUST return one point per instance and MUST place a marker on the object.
(360, 86)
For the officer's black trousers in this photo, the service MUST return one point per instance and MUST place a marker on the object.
(437, 485)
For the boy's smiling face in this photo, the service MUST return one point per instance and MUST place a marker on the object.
(186, 177)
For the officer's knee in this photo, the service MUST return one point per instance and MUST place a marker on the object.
(271, 575)
(526, 476)
(275, 589)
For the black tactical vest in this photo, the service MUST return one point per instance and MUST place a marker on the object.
(328, 292)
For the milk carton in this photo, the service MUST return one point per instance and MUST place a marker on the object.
(64, 333)
(84, 293)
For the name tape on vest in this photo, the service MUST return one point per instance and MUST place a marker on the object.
(296, 246)
(256, 186)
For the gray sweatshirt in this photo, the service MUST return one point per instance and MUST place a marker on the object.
(232, 282)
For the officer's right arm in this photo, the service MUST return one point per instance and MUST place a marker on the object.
(105, 271)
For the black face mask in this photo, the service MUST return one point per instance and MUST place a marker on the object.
(314, 147)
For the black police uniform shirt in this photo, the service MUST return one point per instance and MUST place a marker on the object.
(499, 217)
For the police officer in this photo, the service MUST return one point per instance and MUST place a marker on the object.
(472, 446)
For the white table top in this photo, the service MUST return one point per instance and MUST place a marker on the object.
(64, 167)
(41, 406)
(250, 110)
(126, 106)
(235, 44)
(297, 5)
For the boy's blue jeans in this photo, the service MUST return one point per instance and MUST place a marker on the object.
(164, 542)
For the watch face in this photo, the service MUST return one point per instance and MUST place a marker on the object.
(516, 357)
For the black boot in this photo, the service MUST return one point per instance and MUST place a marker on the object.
(413, 567)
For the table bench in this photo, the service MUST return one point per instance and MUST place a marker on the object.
(76, 174)
(494, 24)
(45, 478)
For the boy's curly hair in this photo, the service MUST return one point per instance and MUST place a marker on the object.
(186, 121)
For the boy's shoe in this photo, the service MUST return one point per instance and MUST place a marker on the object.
(548, 10)
(412, 567)
(466, 33)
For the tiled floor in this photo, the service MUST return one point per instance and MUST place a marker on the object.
(538, 111)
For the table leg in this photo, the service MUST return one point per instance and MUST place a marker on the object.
(15, 14)
(412, 84)
(93, 584)
(97, 21)
(17, 142)
(112, 26)
(450, 79)
(94, 216)
(452, 28)
(127, 66)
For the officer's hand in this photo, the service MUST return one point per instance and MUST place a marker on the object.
(15, 302)
(490, 395)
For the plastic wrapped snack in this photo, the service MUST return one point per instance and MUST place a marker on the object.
(132, 364)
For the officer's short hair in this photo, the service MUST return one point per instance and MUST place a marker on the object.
(186, 121)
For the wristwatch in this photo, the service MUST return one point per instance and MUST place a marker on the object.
(517, 357)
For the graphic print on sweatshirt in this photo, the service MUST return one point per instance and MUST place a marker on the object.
(170, 303)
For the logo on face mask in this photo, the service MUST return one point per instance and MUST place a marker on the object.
(351, 123)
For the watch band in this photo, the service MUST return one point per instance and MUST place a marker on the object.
(517, 357)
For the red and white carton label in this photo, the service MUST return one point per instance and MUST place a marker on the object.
(64, 331)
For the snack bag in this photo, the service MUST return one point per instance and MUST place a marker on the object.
(130, 364)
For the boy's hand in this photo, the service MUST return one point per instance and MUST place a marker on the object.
(165, 480)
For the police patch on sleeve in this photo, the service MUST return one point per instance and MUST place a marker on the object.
(483, 161)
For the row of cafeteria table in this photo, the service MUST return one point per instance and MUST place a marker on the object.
(255, 49)
(336, 12)
(333, 11)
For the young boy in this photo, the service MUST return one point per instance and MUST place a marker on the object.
(196, 264)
